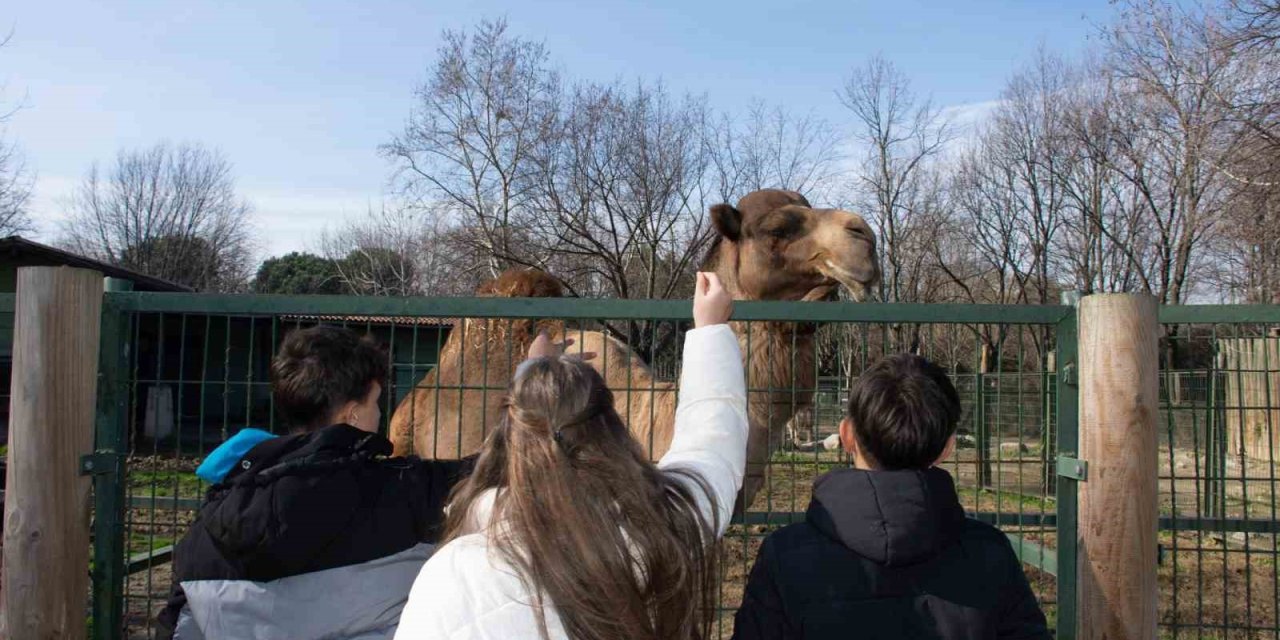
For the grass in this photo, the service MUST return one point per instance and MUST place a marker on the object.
(143, 543)
(165, 484)
(819, 461)
(1006, 501)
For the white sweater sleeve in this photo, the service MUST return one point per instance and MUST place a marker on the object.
(711, 418)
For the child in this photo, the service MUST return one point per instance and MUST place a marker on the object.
(315, 534)
(566, 530)
(885, 550)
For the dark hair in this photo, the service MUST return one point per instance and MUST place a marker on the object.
(904, 409)
(617, 547)
(319, 369)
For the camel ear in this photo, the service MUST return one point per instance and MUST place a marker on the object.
(728, 221)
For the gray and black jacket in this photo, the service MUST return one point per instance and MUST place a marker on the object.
(317, 535)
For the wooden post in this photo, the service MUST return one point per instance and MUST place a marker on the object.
(53, 399)
(1119, 351)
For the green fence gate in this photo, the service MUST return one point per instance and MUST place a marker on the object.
(181, 372)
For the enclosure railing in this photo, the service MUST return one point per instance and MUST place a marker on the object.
(1219, 431)
(181, 372)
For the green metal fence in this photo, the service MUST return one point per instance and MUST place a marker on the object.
(182, 372)
(1220, 420)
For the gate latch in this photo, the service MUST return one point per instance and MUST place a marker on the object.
(1069, 374)
(100, 463)
(1074, 468)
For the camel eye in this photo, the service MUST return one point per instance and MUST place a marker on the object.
(779, 232)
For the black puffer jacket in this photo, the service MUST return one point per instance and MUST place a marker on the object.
(888, 554)
(313, 535)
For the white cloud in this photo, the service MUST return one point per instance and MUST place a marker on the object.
(969, 114)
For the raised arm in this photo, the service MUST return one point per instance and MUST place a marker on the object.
(711, 418)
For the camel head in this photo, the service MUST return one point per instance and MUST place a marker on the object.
(775, 246)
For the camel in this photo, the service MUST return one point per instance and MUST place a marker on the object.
(772, 246)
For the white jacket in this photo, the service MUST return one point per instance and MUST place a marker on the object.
(468, 592)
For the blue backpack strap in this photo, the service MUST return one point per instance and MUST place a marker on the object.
(220, 461)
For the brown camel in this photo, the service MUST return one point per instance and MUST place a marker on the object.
(772, 246)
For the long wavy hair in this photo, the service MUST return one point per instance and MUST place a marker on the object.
(593, 528)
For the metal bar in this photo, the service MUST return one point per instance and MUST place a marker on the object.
(147, 559)
(110, 440)
(1025, 519)
(1068, 445)
(1034, 554)
(1218, 313)
(582, 308)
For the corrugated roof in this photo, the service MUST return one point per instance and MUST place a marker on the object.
(20, 252)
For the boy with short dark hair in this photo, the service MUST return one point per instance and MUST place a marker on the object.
(316, 534)
(886, 550)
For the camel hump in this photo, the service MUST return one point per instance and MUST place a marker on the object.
(522, 283)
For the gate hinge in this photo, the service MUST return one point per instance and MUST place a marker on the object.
(99, 463)
(1069, 374)
(1074, 468)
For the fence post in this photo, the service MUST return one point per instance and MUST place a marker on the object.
(1118, 513)
(110, 445)
(55, 378)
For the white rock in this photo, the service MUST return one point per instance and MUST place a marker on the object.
(1013, 448)
(831, 442)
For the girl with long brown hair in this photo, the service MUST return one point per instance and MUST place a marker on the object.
(566, 530)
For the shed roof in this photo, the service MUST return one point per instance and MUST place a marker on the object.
(21, 252)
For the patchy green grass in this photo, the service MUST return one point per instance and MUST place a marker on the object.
(143, 543)
(165, 484)
(1004, 501)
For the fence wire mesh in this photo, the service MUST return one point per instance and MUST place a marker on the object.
(192, 370)
(1220, 410)
(194, 378)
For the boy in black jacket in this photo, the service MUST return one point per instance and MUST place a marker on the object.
(886, 550)
(316, 534)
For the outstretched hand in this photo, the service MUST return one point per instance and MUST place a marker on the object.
(711, 303)
(543, 347)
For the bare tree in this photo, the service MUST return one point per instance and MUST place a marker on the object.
(15, 179)
(1171, 134)
(168, 211)
(774, 148)
(621, 191)
(401, 251)
(470, 139)
(901, 135)
(1105, 241)
(1249, 251)
(621, 201)
(15, 189)
(1247, 32)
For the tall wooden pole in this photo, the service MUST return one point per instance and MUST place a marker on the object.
(1118, 346)
(53, 396)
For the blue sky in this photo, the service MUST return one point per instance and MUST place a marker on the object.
(299, 94)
